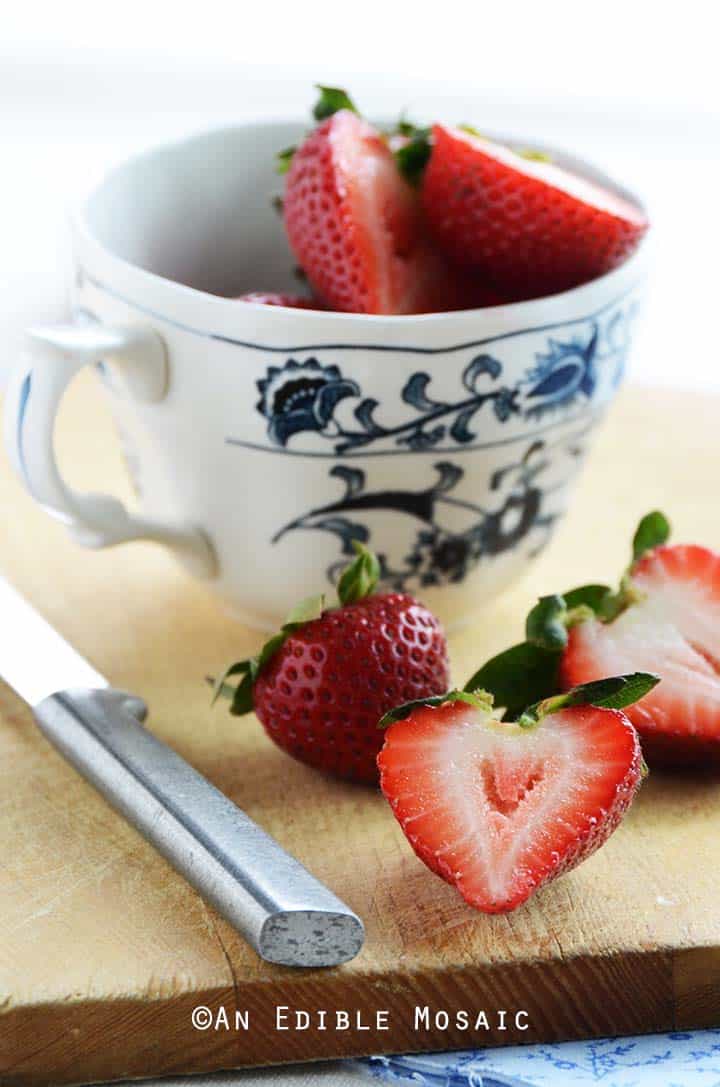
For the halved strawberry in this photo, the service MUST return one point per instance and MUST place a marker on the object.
(529, 226)
(669, 619)
(276, 298)
(498, 809)
(355, 225)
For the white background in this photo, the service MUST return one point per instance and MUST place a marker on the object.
(633, 86)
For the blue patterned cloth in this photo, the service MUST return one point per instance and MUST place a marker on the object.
(681, 1059)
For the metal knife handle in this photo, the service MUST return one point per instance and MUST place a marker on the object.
(287, 915)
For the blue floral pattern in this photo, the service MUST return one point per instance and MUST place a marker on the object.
(679, 1059)
(530, 396)
(303, 396)
(565, 373)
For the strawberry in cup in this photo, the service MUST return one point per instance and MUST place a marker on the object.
(427, 220)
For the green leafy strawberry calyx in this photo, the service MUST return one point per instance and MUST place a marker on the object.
(482, 700)
(283, 159)
(528, 672)
(653, 531)
(241, 696)
(551, 618)
(612, 693)
(358, 580)
(517, 677)
(331, 100)
(413, 151)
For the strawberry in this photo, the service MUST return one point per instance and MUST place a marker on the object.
(525, 224)
(320, 686)
(666, 614)
(499, 808)
(276, 298)
(354, 223)
(668, 617)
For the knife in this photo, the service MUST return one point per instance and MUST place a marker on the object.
(287, 915)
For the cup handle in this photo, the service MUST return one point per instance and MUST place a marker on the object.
(36, 387)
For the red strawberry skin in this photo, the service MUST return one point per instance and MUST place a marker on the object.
(497, 810)
(275, 298)
(355, 225)
(321, 696)
(524, 234)
(675, 630)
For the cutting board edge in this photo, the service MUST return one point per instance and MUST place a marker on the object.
(96, 1041)
(696, 987)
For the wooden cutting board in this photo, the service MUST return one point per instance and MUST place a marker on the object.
(105, 951)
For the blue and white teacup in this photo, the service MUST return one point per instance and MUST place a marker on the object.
(263, 441)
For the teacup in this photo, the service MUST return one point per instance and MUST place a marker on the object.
(263, 441)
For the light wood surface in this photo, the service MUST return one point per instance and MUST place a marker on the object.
(104, 950)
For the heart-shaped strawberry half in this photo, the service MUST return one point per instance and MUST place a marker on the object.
(500, 808)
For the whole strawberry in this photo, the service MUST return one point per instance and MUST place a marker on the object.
(321, 685)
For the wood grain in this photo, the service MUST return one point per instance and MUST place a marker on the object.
(104, 950)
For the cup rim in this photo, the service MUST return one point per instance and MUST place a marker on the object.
(629, 269)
